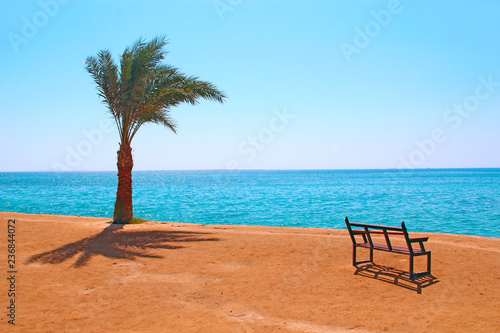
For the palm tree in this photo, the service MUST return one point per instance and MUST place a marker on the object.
(142, 91)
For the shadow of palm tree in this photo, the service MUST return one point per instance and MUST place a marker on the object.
(115, 243)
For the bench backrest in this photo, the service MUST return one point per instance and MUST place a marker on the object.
(367, 230)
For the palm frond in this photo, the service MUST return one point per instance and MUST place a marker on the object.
(105, 74)
(144, 90)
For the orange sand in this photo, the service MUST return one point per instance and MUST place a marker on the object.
(79, 274)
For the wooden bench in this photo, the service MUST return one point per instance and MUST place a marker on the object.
(364, 239)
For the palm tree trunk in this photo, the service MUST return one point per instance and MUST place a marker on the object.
(123, 206)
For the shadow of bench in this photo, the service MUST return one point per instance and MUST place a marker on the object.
(396, 276)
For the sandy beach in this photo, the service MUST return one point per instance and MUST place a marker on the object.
(82, 274)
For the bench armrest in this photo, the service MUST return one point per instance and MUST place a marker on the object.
(419, 239)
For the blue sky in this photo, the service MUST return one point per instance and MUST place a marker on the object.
(311, 84)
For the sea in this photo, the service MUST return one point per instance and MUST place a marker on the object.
(454, 201)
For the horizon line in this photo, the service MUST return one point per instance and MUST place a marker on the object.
(177, 170)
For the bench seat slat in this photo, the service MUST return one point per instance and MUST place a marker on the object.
(384, 247)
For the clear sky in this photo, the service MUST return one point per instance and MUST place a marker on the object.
(311, 84)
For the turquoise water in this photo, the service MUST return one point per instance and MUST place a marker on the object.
(457, 201)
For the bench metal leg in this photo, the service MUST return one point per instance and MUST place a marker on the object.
(412, 275)
(429, 263)
(411, 267)
(355, 262)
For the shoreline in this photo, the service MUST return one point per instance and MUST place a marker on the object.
(163, 276)
(232, 226)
